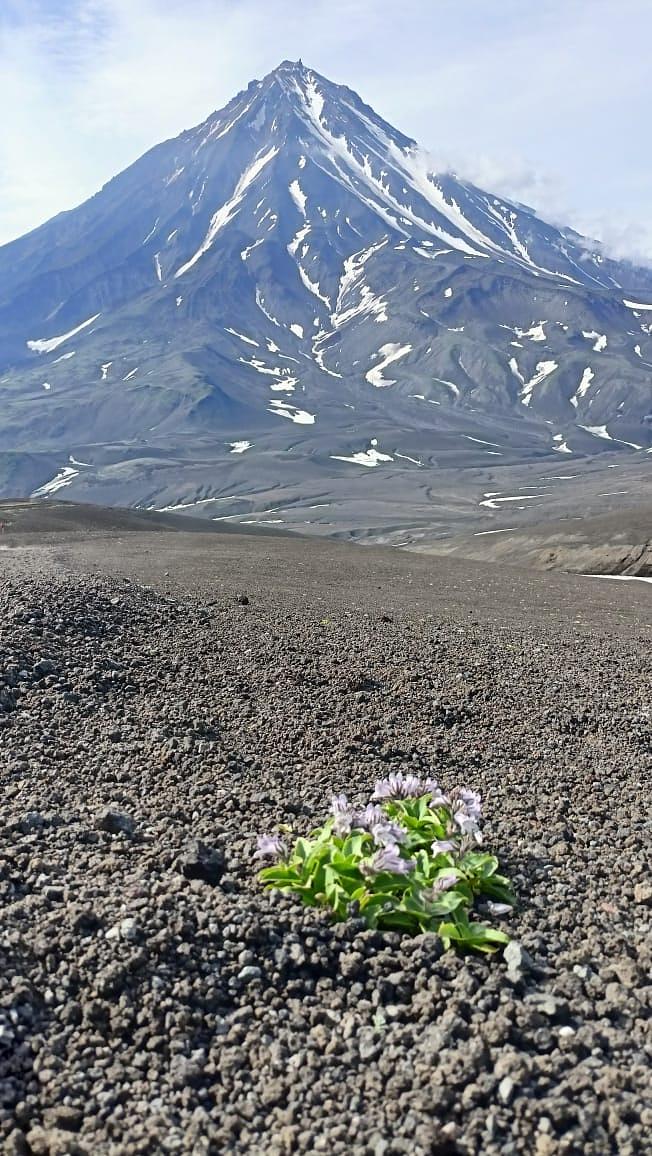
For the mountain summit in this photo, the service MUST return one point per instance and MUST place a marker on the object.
(288, 292)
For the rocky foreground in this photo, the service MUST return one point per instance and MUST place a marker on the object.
(154, 1000)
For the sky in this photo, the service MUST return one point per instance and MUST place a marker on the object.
(546, 101)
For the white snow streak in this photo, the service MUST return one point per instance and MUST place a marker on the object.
(152, 231)
(299, 197)
(261, 305)
(299, 416)
(65, 476)
(584, 386)
(601, 431)
(543, 370)
(535, 333)
(174, 176)
(47, 344)
(480, 442)
(369, 458)
(250, 248)
(313, 287)
(390, 352)
(297, 239)
(495, 502)
(247, 340)
(227, 211)
(599, 338)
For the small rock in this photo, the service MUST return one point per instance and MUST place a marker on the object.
(64, 1116)
(115, 822)
(351, 963)
(242, 600)
(127, 929)
(518, 960)
(544, 1002)
(643, 893)
(16, 1144)
(505, 1090)
(250, 973)
(201, 862)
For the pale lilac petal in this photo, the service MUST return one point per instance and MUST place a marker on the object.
(387, 860)
(400, 786)
(444, 883)
(442, 846)
(271, 847)
(371, 817)
(387, 833)
(343, 815)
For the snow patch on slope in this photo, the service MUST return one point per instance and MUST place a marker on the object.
(299, 197)
(65, 476)
(47, 344)
(599, 338)
(584, 386)
(228, 210)
(390, 352)
(299, 416)
(370, 457)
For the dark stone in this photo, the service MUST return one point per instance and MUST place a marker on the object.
(201, 862)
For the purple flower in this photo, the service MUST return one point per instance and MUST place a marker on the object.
(387, 860)
(386, 834)
(468, 801)
(343, 813)
(371, 817)
(271, 847)
(443, 883)
(442, 846)
(374, 820)
(400, 786)
(437, 796)
(465, 823)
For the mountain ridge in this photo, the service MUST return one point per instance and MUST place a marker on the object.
(291, 274)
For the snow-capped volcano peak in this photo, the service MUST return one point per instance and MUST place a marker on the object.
(295, 261)
(311, 120)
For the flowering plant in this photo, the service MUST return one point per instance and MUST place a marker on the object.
(410, 861)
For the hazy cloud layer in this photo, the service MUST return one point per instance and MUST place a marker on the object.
(546, 102)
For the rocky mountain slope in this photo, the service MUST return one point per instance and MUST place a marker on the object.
(263, 310)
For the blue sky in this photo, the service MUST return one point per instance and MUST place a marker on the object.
(544, 100)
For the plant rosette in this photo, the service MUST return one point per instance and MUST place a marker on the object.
(410, 861)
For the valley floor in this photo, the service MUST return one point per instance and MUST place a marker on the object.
(187, 686)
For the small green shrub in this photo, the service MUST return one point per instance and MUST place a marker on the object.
(410, 861)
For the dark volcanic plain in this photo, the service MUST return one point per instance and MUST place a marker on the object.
(162, 688)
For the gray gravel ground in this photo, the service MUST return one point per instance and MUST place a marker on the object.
(154, 1000)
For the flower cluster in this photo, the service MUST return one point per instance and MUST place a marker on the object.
(408, 860)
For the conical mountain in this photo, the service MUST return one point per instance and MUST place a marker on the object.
(288, 292)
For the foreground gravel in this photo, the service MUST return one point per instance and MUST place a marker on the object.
(153, 999)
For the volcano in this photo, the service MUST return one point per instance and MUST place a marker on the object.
(285, 315)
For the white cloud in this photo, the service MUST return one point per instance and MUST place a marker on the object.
(511, 95)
